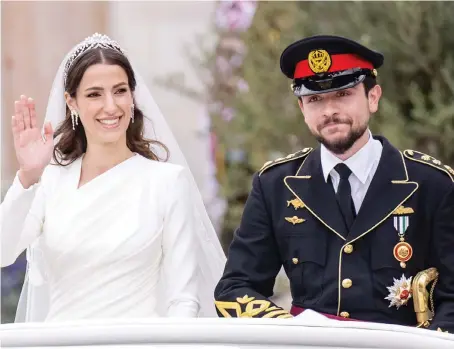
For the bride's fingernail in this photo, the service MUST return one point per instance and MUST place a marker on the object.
(30, 99)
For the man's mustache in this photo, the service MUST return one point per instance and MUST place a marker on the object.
(335, 120)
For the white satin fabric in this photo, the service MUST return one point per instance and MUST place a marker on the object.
(112, 247)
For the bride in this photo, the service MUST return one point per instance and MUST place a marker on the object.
(110, 230)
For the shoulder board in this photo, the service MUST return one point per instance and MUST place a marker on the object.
(299, 154)
(429, 160)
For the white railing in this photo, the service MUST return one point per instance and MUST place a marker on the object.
(220, 334)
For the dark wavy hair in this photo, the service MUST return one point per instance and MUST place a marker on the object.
(73, 143)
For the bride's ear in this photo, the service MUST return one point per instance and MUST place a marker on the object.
(70, 102)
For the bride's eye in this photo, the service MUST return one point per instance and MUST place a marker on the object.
(94, 94)
(122, 90)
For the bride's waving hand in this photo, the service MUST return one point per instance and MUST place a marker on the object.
(33, 148)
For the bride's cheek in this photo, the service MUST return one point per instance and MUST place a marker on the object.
(124, 102)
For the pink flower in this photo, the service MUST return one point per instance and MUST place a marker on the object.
(242, 85)
(235, 15)
(227, 114)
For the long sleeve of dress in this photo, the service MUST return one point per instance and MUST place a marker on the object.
(21, 219)
(180, 249)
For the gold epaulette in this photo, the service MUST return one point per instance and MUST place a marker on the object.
(299, 154)
(429, 160)
(249, 307)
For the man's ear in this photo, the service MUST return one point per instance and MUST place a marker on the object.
(300, 103)
(373, 97)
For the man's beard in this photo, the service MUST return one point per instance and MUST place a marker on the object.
(340, 146)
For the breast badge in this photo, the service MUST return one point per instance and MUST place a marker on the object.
(296, 203)
(399, 292)
(294, 220)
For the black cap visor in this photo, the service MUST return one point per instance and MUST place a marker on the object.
(330, 82)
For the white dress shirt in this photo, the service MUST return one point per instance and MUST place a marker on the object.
(363, 165)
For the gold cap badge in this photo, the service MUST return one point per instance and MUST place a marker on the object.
(319, 61)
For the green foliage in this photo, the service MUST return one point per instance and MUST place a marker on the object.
(416, 110)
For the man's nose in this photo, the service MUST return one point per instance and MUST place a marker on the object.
(330, 108)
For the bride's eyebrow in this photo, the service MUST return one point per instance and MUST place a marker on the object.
(97, 88)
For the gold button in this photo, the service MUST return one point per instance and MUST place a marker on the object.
(347, 283)
(345, 314)
(348, 249)
(295, 260)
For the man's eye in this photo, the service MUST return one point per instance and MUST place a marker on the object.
(314, 99)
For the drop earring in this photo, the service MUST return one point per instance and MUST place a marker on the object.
(74, 118)
(132, 113)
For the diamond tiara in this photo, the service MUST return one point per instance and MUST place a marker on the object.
(91, 42)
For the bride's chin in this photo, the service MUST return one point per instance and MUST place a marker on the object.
(110, 136)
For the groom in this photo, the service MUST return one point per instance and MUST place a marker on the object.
(355, 222)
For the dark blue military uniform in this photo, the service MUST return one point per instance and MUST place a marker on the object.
(291, 218)
(405, 226)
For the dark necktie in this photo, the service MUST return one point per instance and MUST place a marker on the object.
(344, 194)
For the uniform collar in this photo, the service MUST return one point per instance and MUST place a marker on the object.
(361, 163)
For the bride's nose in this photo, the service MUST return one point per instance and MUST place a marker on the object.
(110, 105)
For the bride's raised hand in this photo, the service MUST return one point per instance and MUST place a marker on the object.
(33, 148)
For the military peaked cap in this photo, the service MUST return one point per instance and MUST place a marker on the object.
(325, 63)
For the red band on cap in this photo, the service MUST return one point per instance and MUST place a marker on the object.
(338, 63)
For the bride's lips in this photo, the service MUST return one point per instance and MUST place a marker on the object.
(110, 123)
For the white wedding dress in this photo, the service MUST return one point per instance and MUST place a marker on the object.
(111, 248)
